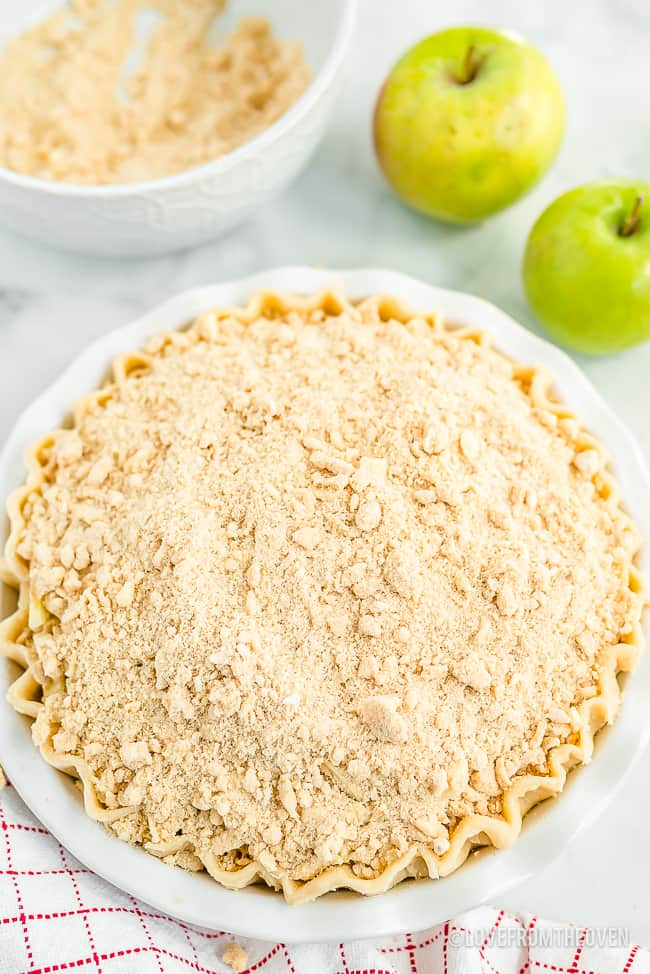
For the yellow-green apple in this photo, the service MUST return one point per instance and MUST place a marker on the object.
(466, 122)
(587, 267)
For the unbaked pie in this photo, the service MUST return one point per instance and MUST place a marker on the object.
(320, 593)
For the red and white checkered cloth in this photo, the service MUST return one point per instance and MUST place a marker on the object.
(57, 916)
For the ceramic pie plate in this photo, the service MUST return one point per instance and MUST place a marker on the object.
(257, 911)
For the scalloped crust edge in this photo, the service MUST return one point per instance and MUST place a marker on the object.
(473, 831)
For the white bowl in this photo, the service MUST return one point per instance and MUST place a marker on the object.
(163, 215)
(257, 911)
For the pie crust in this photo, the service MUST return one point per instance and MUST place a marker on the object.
(320, 593)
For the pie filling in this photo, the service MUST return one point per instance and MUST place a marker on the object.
(320, 593)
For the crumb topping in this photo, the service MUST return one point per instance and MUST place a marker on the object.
(77, 105)
(235, 956)
(309, 590)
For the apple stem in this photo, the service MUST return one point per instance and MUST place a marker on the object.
(470, 66)
(633, 219)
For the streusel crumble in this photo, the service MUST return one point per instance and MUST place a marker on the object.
(76, 105)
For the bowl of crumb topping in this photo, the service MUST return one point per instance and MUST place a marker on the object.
(141, 127)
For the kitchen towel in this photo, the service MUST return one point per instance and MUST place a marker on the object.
(57, 916)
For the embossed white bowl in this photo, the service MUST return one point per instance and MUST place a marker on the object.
(163, 215)
(257, 911)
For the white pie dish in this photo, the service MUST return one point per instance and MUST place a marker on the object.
(255, 911)
(163, 215)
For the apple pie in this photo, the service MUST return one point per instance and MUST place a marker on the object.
(320, 593)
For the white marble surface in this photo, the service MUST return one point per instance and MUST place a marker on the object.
(340, 214)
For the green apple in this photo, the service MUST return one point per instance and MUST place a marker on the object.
(587, 267)
(466, 122)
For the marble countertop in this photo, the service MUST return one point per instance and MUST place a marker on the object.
(340, 214)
